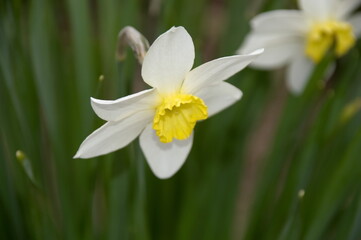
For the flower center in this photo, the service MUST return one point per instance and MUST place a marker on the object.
(177, 115)
(324, 35)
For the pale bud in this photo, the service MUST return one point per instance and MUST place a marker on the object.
(301, 193)
(129, 36)
(20, 156)
(351, 110)
(26, 164)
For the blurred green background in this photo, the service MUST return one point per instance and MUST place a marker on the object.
(272, 166)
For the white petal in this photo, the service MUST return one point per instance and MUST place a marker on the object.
(216, 71)
(114, 110)
(280, 21)
(298, 74)
(114, 135)
(219, 96)
(355, 21)
(345, 7)
(168, 60)
(318, 9)
(164, 159)
(278, 49)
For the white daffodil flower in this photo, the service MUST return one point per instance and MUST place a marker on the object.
(165, 115)
(301, 38)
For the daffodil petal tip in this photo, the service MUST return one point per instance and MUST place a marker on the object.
(257, 52)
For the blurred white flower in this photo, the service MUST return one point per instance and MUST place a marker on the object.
(165, 115)
(299, 39)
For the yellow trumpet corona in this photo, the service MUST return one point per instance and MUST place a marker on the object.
(177, 115)
(328, 34)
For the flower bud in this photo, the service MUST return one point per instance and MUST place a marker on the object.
(135, 40)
